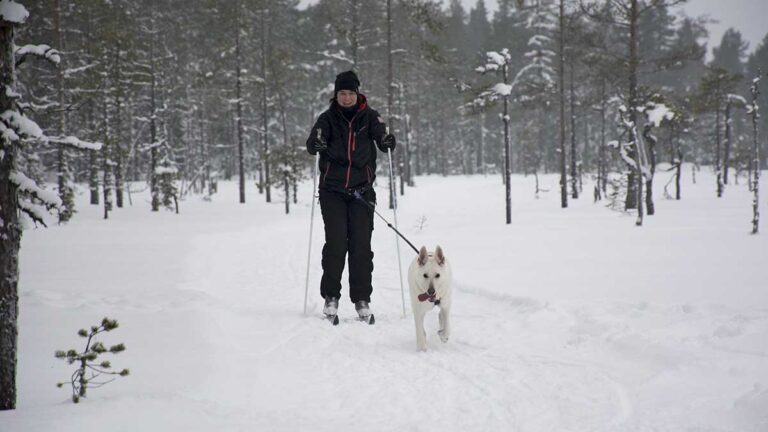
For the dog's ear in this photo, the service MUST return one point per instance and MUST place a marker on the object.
(439, 255)
(423, 255)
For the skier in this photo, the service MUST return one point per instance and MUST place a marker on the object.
(345, 135)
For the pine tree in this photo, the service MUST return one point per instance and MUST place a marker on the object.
(731, 52)
(89, 368)
(716, 84)
(498, 62)
(18, 193)
(759, 61)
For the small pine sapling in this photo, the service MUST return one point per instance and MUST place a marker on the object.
(89, 366)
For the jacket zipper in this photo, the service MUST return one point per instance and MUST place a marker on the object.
(350, 149)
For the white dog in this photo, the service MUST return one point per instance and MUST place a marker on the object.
(429, 280)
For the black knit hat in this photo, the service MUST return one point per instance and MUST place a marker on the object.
(346, 81)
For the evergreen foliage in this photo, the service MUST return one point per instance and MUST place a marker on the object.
(229, 87)
(89, 367)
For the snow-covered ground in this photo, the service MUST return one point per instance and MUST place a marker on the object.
(565, 320)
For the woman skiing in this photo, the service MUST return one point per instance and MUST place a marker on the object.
(345, 135)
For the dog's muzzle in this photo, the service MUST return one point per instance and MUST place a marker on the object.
(429, 296)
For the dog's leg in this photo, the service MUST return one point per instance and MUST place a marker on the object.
(421, 335)
(445, 327)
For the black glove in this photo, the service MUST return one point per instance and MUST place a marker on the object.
(388, 142)
(319, 145)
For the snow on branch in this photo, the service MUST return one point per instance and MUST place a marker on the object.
(35, 212)
(13, 12)
(737, 100)
(502, 89)
(76, 142)
(11, 93)
(172, 170)
(658, 112)
(538, 40)
(73, 71)
(8, 133)
(43, 51)
(20, 124)
(341, 55)
(26, 184)
(494, 61)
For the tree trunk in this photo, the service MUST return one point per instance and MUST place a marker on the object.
(353, 7)
(117, 148)
(650, 207)
(635, 177)
(561, 76)
(602, 170)
(755, 90)
(481, 149)
(66, 194)
(390, 96)
(574, 156)
(152, 122)
(106, 151)
(728, 142)
(678, 162)
(264, 106)
(10, 232)
(239, 111)
(93, 176)
(287, 188)
(718, 150)
(401, 157)
(507, 168)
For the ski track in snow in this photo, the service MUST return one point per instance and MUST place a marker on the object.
(228, 336)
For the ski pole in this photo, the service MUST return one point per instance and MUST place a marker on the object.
(311, 223)
(394, 208)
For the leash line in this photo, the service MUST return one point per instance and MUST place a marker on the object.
(360, 197)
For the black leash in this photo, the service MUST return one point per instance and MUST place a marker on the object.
(359, 196)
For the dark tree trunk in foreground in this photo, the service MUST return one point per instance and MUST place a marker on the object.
(10, 233)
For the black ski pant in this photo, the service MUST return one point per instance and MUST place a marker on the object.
(348, 228)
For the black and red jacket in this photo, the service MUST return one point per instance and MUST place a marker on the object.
(350, 160)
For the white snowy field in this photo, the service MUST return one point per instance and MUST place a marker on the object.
(566, 320)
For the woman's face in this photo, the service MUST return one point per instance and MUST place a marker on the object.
(346, 98)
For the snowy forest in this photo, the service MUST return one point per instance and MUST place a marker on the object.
(182, 94)
(157, 107)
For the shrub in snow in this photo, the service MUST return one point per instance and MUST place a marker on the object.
(89, 367)
(166, 174)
